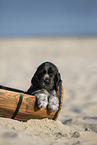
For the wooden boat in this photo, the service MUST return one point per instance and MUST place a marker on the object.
(17, 104)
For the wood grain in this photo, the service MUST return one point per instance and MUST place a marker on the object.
(28, 109)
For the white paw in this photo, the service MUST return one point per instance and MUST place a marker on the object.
(42, 99)
(53, 103)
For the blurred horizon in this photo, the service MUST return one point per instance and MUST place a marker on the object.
(48, 18)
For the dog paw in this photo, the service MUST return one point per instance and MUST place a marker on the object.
(42, 99)
(53, 103)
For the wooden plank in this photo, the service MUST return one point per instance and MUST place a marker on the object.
(8, 102)
(28, 109)
(10, 105)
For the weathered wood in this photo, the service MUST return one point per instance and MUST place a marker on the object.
(60, 102)
(28, 109)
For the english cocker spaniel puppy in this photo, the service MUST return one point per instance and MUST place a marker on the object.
(44, 85)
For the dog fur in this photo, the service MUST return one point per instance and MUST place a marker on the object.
(44, 85)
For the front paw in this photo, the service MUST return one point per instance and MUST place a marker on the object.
(53, 103)
(42, 99)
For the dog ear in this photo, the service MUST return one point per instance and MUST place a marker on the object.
(58, 81)
(34, 80)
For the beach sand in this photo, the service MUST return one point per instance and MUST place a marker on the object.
(76, 59)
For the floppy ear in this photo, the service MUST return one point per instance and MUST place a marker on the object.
(34, 86)
(34, 80)
(58, 81)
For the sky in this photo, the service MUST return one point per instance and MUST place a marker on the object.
(48, 18)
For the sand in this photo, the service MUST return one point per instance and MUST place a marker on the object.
(76, 59)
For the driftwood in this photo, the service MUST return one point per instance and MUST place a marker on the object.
(18, 105)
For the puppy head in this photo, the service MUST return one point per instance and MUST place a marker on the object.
(46, 77)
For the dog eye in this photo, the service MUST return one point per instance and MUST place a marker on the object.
(50, 72)
(51, 75)
(43, 72)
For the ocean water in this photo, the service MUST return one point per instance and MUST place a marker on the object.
(48, 18)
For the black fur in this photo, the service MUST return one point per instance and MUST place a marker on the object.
(46, 77)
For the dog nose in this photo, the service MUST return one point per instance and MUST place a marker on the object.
(47, 80)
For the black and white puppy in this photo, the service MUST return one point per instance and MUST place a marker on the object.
(44, 85)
